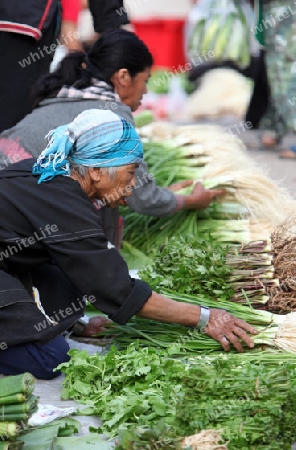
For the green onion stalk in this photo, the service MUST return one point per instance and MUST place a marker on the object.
(145, 233)
(171, 163)
(275, 331)
(249, 262)
(253, 247)
(279, 331)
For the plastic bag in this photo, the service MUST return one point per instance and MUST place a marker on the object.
(48, 413)
(219, 30)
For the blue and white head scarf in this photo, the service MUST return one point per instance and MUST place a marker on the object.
(96, 138)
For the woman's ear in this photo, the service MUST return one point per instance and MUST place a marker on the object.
(95, 173)
(121, 78)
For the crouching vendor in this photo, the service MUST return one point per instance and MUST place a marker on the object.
(54, 255)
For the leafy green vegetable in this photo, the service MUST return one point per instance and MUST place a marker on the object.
(144, 438)
(147, 398)
(190, 265)
(249, 397)
(135, 386)
(199, 265)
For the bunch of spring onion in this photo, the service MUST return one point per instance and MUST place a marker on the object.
(274, 330)
(247, 184)
(265, 199)
(225, 222)
(173, 161)
(241, 215)
(146, 233)
(253, 272)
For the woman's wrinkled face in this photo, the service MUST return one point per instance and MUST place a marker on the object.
(113, 190)
(131, 89)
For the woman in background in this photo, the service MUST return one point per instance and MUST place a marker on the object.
(277, 25)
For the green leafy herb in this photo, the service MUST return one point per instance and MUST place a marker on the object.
(190, 265)
(127, 388)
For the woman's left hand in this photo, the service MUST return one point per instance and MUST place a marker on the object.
(95, 326)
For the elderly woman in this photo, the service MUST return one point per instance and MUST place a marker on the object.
(50, 238)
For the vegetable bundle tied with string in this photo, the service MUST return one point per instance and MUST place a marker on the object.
(17, 404)
(275, 331)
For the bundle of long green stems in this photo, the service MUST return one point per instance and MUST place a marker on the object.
(274, 330)
(251, 208)
(146, 232)
(171, 162)
(230, 166)
(250, 397)
(253, 271)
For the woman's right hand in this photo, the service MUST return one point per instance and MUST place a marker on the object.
(228, 329)
(200, 197)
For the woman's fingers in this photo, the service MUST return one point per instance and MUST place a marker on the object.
(245, 326)
(225, 343)
(217, 192)
(227, 330)
(234, 336)
(178, 186)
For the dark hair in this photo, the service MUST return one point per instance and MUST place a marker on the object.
(114, 50)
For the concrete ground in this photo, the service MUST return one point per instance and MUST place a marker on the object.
(278, 169)
(49, 392)
(282, 170)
